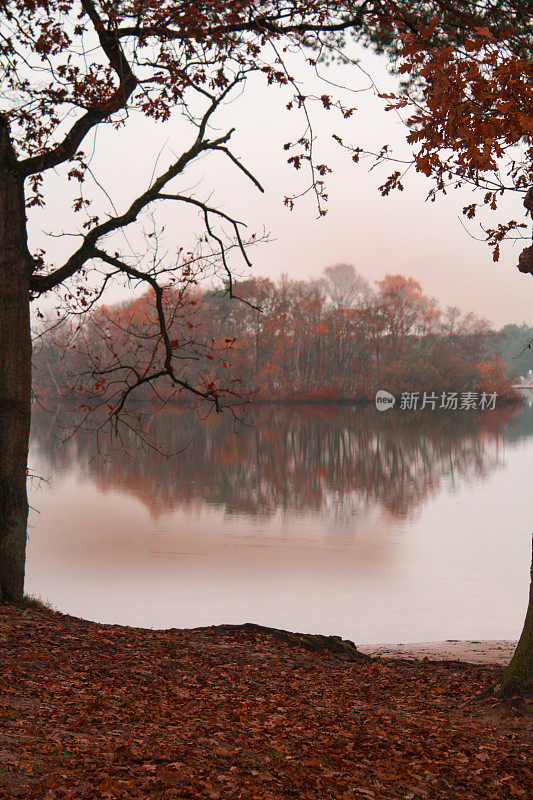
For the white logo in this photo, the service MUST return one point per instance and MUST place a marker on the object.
(384, 400)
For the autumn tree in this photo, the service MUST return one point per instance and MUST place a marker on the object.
(466, 99)
(344, 286)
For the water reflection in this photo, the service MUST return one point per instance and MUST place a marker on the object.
(340, 462)
(375, 526)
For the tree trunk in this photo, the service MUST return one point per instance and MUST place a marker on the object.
(15, 371)
(518, 677)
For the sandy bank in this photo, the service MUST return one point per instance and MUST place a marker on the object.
(473, 651)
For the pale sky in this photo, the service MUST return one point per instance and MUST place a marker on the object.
(398, 234)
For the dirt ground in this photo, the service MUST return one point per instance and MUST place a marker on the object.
(99, 711)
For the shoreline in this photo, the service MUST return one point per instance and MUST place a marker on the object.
(509, 400)
(505, 400)
(495, 652)
(489, 652)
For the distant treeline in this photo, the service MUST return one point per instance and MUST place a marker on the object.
(335, 338)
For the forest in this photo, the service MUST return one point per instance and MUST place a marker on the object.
(335, 338)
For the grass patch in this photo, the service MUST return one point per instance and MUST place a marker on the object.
(34, 601)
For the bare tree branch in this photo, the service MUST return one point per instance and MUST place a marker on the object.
(43, 283)
(66, 149)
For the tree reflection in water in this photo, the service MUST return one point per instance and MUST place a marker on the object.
(341, 462)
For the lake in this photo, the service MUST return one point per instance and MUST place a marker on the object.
(391, 526)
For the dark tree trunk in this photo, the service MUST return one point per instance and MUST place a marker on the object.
(518, 677)
(15, 371)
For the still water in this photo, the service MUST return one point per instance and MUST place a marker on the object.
(380, 527)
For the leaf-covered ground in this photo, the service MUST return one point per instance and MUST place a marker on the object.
(97, 711)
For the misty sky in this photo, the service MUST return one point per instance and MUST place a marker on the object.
(398, 234)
